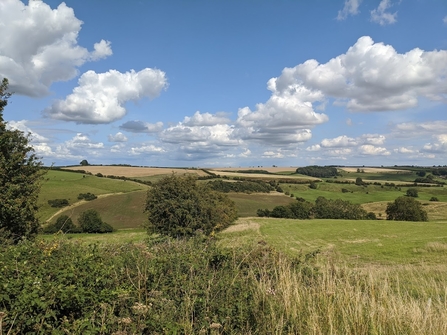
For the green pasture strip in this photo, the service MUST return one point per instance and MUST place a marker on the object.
(248, 204)
(120, 211)
(68, 185)
(361, 194)
(122, 236)
(360, 242)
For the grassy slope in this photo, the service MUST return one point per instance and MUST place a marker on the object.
(68, 185)
(358, 242)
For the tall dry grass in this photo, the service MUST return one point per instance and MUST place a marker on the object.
(338, 300)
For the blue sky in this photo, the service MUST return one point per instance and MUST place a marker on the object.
(228, 82)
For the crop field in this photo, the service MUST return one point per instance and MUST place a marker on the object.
(133, 171)
(279, 170)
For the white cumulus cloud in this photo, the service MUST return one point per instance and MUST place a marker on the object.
(368, 149)
(439, 145)
(100, 97)
(38, 46)
(206, 119)
(340, 141)
(118, 137)
(368, 77)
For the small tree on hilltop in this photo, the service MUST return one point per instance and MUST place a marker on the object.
(178, 206)
(405, 209)
(20, 176)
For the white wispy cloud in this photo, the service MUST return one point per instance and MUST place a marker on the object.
(381, 16)
(351, 7)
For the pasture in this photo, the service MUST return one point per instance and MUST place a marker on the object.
(357, 243)
(121, 203)
(67, 185)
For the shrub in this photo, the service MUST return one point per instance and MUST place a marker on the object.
(90, 222)
(179, 206)
(359, 181)
(412, 192)
(64, 224)
(58, 203)
(87, 196)
(338, 209)
(313, 185)
(434, 199)
(405, 209)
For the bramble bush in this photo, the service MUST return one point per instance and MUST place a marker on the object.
(166, 286)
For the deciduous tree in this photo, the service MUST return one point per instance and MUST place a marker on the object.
(20, 176)
(178, 206)
(405, 209)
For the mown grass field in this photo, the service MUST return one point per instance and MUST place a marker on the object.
(359, 243)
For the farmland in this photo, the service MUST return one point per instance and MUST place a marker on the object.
(121, 202)
(260, 275)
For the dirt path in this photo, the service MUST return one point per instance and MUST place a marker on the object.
(76, 204)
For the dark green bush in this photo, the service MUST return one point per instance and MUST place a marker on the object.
(338, 209)
(64, 224)
(412, 192)
(58, 203)
(87, 196)
(90, 222)
(434, 199)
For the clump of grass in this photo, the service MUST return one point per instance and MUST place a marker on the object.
(436, 247)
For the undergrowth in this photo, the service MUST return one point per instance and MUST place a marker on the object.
(166, 286)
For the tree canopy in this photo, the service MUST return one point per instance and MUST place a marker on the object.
(405, 209)
(318, 171)
(178, 206)
(20, 176)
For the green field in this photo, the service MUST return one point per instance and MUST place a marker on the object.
(68, 185)
(358, 242)
(123, 206)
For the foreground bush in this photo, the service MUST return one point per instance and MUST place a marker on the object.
(195, 287)
(167, 287)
